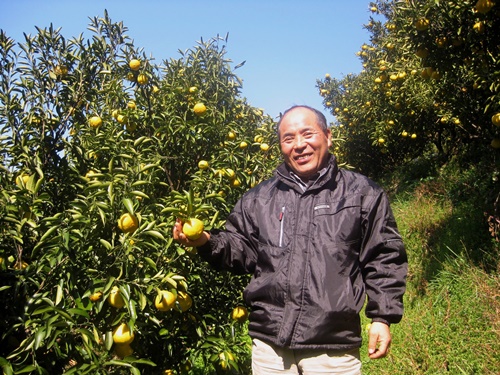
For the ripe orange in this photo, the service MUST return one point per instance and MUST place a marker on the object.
(134, 64)
(165, 300)
(122, 119)
(123, 350)
(264, 147)
(479, 27)
(94, 297)
(61, 70)
(193, 89)
(422, 53)
(495, 143)
(95, 122)
(230, 174)
(185, 301)
(21, 265)
(22, 179)
(193, 228)
(231, 135)
(495, 119)
(239, 313)
(484, 6)
(199, 109)
(131, 104)
(122, 334)
(115, 298)
(142, 79)
(243, 145)
(203, 164)
(128, 223)
(422, 24)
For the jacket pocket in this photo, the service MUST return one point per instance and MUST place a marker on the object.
(268, 283)
(337, 222)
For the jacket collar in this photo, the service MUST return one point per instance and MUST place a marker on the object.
(286, 175)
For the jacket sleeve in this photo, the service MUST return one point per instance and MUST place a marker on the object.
(383, 261)
(235, 248)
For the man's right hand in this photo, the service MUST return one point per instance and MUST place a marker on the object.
(181, 238)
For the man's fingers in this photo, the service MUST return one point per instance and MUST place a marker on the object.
(379, 340)
(372, 343)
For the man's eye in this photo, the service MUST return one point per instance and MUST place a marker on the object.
(287, 139)
(308, 134)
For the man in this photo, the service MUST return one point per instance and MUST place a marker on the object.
(317, 239)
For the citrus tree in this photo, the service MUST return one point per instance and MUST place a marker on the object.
(430, 84)
(101, 150)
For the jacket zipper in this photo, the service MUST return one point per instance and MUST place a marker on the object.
(282, 221)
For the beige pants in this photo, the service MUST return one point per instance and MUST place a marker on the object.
(268, 359)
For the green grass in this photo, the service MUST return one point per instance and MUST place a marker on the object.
(452, 305)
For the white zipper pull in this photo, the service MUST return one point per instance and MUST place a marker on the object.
(282, 215)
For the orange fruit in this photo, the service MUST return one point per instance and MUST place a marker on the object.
(95, 122)
(495, 143)
(185, 301)
(123, 350)
(22, 179)
(422, 24)
(94, 297)
(121, 119)
(199, 109)
(239, 313)
(122, 334)
(203, 164)
(193, 228)
(115, 298)
(165, 300)
(134, 64)
(128, 223)
(495, 119)
(142, 79)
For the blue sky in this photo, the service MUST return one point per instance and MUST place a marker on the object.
(287, 44)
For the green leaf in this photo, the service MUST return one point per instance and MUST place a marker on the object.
(151, 263)
(26, 369)
(108, 340)
(59, 294)
(154, 233)
(46, 235)
(127, 202)
(106, 244)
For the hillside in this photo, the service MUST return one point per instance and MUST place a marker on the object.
(452, 321)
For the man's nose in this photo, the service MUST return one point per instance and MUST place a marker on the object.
(299, 142)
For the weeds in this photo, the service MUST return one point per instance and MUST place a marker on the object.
(452, 316)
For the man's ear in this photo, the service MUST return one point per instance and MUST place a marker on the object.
(328, 134)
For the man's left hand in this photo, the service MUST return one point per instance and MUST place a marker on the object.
(379, 340)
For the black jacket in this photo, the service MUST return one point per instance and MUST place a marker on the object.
(315, 255)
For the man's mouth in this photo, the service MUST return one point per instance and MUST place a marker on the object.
(302, 159)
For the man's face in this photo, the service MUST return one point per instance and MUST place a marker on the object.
(304, 144)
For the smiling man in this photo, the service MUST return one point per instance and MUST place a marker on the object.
(319, 241)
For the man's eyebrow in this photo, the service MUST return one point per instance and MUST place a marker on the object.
(309, 128)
